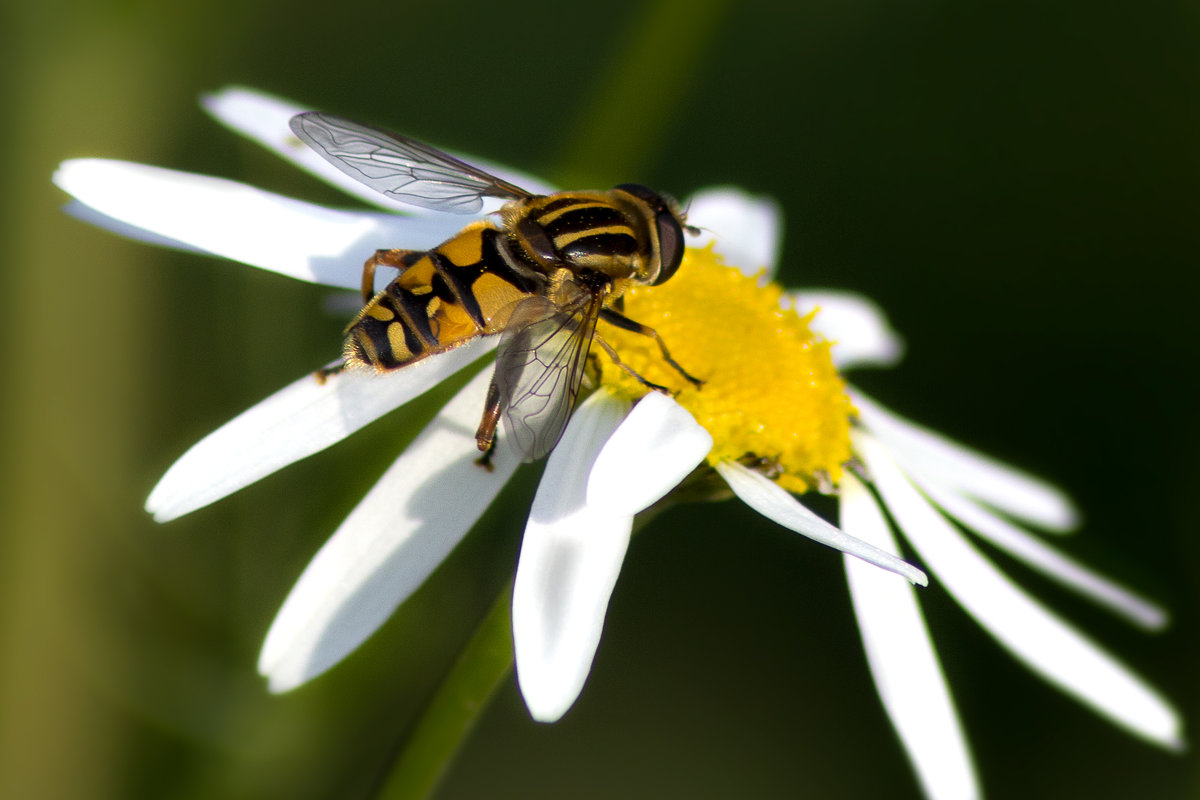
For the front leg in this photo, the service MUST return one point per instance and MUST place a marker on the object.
(614, 317)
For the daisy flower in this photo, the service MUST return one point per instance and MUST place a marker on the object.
(773, 420)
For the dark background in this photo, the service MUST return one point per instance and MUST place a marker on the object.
(1016, 183)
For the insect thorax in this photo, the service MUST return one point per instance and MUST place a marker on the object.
(582, 231)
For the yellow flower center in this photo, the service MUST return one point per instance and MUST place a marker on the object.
(770, 390)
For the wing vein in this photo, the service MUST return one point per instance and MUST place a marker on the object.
(399, 167)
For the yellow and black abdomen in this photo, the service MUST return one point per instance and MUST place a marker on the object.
(463, 288)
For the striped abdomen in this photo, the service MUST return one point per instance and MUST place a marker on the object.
(461, 289)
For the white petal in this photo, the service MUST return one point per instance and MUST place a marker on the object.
(1032, 551)
(405, 526)
(747, 229)
(570, 558)
(264, 118)
(1030, 631)
(1007, 488)
(85, 213)
(769, 499)
(857, 326)
(903, 660)
(655, 448)
(239, 222)
(295, 422)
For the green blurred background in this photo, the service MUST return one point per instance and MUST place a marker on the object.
(1017, 183)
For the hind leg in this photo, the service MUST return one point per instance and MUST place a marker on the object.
(396, 259)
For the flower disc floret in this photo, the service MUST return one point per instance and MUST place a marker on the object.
(770, 390)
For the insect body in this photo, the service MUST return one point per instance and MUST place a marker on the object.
(541, 276)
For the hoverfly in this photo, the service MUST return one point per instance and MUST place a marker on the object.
(541, 276)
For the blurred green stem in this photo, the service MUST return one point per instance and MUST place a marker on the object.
(455, 707)
(464, 694)
(644, 83)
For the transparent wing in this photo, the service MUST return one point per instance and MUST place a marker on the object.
(399, 167)
(539, 366)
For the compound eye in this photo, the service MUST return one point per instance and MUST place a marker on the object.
(670, 245)
(643, 193)
(670, 231)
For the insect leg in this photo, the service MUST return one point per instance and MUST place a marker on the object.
(485, 435)
(608, 348)
(614, 317)
(325, 373)
(396, 259)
